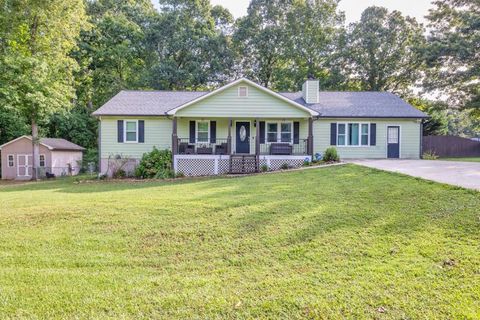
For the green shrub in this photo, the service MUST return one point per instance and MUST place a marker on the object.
(155, 164)
(429, 155)
(119, 174)
(331, 155)
(285, 166)
(263, 168)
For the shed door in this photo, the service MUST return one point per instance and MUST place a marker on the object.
(24, 165)
(393, 142)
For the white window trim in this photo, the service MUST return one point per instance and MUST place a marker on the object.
(279, 131)
(346, 145)
(125, 130)
(246, 91)
(8, 160)
(196, 131)
(44, 160)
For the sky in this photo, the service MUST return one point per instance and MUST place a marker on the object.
(352, 8)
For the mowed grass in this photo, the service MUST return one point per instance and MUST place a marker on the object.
(470, 159)
(329, 243)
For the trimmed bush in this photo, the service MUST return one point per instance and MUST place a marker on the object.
(156, 164)
(263, 168)
(331, 155)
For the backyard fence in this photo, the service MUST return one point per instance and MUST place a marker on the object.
(451, 146)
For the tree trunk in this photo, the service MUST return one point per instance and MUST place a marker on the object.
(35, 150)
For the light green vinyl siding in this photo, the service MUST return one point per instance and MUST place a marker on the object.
(158, 132)
(222, 128)
(227, 104)
(409, 139)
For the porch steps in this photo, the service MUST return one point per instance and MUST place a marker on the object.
(240, 164)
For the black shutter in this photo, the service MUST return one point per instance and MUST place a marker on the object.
(373, 134)
(141, 131)
(262, 132)
(296, 132)
(192, 131)
(333, 134)
(120, 130)
(213, 131)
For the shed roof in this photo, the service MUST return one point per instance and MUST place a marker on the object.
(51, 143)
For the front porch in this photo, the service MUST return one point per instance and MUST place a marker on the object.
(220, 146)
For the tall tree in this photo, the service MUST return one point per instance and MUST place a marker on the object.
(191, 45)
(454, 45)
(112, 55)
(36, 39)
(313, 31)
(385, 51)
(261, 39)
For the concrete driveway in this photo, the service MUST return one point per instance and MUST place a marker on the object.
(463, 174)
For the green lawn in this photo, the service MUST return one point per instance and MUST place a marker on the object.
(338, 242)
(471, 159)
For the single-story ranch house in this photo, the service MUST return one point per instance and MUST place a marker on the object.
(243, 126)
(57, 156)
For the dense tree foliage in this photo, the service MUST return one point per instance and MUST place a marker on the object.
(385, 51)
(190, 44)
(455, 50)
(60, 60)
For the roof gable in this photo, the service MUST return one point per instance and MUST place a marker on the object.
(257, 95)
(226, 102)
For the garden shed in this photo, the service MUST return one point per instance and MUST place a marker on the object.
(57, 156)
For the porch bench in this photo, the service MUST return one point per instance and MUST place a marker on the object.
(204, 150)
(281, 149)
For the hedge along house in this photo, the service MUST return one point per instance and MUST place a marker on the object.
(243, 126)
(56, 156)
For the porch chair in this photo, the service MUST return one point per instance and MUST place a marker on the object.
(185, 148)
(221, 149)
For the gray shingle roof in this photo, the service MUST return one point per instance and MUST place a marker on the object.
(332, 104)
(359, 105)
(60, 144)
(146, 103)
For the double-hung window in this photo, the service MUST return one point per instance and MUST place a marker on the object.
(365, 134)
(272, 132)
(131, 131)
(342, 132)
(279, 132)
(353, 134)
(203, 131)
(11, 161)
(286, 132)
(42, 160)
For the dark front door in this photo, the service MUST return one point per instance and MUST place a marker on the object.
(242, 137)
(393, 142)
